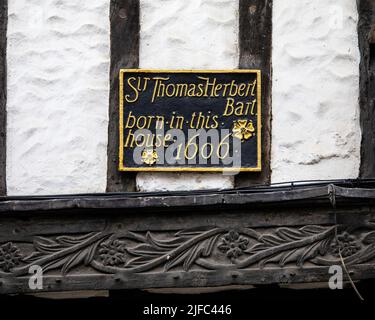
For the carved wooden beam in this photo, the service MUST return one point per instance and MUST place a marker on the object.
(366, 33)
(124, 17)
(3, 92)
(255, 41)
(292, 236)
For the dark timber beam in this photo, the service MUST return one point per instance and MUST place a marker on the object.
(366, 36)
(255, 41)
(250, 238)
(124, 16)
(3, 92)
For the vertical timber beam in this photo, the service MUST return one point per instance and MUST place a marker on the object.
(3, 92)
(255, 42)
(366, 36)
(125, 28)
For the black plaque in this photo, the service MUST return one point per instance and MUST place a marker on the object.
(190, 120)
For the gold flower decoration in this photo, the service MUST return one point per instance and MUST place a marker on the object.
(149, 156)
(243, 130)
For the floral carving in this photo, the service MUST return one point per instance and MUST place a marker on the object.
(113, 253)
(138, 252)
(149, 156)
(233, 245)
(10, 256)
(345, 244)
(243, 130)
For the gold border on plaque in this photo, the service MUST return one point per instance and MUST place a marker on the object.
(258, 168)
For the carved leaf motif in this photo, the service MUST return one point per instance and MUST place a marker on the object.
(187, 258)
(299, 255)
(45, 245)
(75, 260)
(33, 257)
(137, 261)
(65, 252)
(67, 263)
(283, 236)
(163, 245)
(149, 251)
(152, 247)
(292, 245)
(54, 264)
(183, 249)
(369, 238)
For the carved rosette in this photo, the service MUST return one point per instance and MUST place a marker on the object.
(202, 249)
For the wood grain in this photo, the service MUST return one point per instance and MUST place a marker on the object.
(148, 247)
(255, 41)
(3, 92)
(366, 36)
(124, 19)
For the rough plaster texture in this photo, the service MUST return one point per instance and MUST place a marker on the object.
(58, 63)
(195, 34)
(315, 128)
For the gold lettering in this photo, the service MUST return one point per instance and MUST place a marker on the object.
(253, 107)
(217, 89)
(229, 108)
(254, 87)
(201, 90)
(191, 92)
(158, 86)
(216, 124)
(131, 138)
(239, 110)
(145, 83)
(127, 97)
(130, 118)
(241, 89)
(233, 86)
(180, 122)
(182, 89)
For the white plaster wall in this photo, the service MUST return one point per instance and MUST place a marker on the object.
(315, 128)
(58, 61)
(58, 66)
(194, 34)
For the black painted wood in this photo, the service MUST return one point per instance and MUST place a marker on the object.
(115, 249)
(366, 36)
(3, 92)
(211, 201)
(337, 196)
(255, 41)
(124, 17)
